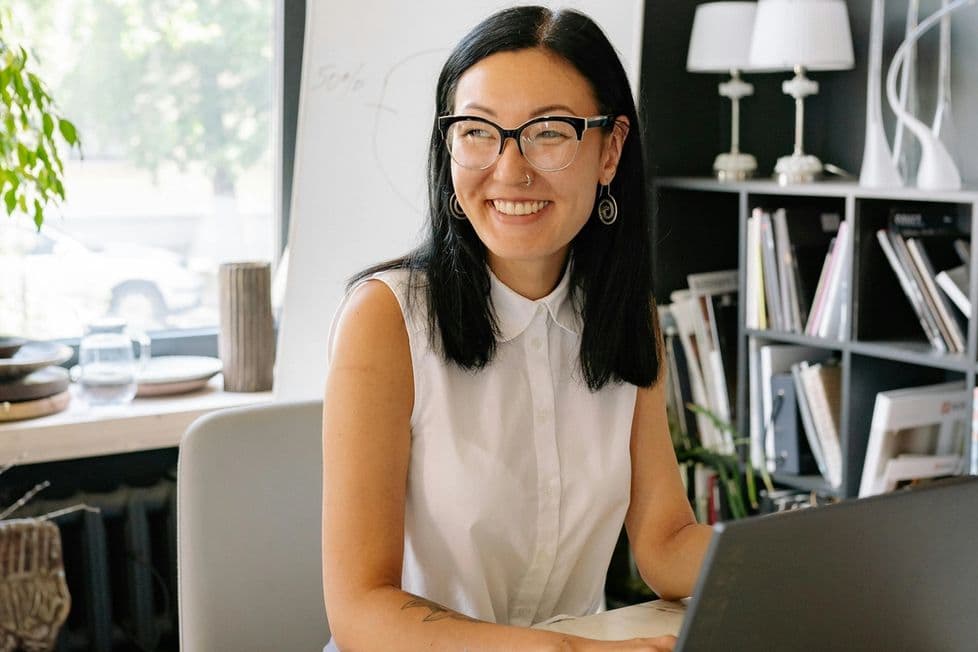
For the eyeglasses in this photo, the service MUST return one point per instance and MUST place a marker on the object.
(548, 143)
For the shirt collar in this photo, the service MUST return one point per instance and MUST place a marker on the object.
(514, 312)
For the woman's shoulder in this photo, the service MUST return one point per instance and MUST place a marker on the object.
(408, 287)
(386, 304)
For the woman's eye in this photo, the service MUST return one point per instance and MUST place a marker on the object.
(477, 132)
(551, 134)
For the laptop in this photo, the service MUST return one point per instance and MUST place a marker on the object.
(891, 572)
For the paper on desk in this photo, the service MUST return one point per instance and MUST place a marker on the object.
(648, 619)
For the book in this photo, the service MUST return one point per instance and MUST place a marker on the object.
(924, 421)
(754, 316)
(808, 425)
(683, 310)
(910, 469)
(950, 328)
(822, 383)
(954, 282)
(928, 220)
(814, 314)
(962, 248)
(677, 376)
(787, 284)
(769, 269)
(792, 452)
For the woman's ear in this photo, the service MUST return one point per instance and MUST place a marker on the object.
(614, 143)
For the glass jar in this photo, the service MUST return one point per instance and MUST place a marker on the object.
(108, 363)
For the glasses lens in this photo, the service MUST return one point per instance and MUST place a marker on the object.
(472, 143)
(550, 145)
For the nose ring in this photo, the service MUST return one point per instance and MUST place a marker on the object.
(529, 180)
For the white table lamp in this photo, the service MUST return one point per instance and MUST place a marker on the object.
(720, 42)
(801, 35)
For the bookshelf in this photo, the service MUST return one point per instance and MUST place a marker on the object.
(701, 226)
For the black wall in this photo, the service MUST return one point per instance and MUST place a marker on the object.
(688, 123)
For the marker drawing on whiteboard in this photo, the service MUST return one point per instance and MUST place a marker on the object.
(335, 79)
(388, 107)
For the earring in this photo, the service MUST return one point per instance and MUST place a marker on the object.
(607, 206)
(455, 208)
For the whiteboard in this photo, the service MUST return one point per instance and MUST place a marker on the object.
(366, 104)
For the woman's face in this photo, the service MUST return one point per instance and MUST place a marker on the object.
(535, 223)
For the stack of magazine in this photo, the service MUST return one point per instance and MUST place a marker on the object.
(917, 433)
(798, 264)
(915, 243)
(700, 332)
(704, 345)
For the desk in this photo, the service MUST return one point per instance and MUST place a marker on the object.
(648, 619)
(144, 424)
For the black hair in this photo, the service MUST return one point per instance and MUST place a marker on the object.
(611, 268)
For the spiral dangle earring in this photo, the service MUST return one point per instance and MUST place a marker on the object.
(607, 206)
(455, 208)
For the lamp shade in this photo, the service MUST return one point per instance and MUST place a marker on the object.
(810, 33)
(720, 40)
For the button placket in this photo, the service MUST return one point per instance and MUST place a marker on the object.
(537, 353)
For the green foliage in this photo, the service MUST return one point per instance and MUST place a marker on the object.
(190, 83)
(737, 480)
(31, 169)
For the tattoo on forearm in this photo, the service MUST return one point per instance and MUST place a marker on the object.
(435, 610)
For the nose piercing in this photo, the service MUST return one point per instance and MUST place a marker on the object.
(529, 180)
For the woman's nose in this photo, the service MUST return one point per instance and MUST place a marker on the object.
(511, 167)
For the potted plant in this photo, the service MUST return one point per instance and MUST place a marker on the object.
(31, 168)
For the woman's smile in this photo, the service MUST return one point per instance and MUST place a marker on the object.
(517, 212)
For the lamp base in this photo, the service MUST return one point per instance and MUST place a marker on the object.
(797, 168)
(734, 166)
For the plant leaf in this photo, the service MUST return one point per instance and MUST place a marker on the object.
(10, 199)
(68, 131)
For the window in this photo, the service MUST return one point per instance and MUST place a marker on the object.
(175, 106)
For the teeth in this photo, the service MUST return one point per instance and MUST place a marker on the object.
(518, 207)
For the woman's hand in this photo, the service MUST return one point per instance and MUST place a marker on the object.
(657, 644)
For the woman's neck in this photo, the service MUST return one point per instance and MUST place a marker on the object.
(533, 279)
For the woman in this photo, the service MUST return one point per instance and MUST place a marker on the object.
(494, 410)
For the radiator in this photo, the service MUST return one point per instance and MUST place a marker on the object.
(120, 566)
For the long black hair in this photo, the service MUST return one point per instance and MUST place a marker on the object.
(611, 270)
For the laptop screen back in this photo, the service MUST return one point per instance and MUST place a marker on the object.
(892, 572)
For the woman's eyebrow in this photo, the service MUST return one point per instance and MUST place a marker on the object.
(540, 111)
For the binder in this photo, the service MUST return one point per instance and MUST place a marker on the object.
(792, 454)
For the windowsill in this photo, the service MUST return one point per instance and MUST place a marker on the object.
(144, 424)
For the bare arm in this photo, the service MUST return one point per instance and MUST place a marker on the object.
(366, 448)
(666, 541)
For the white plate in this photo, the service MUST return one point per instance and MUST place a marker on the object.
(33, 356)
(167, 369)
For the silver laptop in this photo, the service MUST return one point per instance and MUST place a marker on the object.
(892, 572)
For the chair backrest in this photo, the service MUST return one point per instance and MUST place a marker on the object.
(249, 490)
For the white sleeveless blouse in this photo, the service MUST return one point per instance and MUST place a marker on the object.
(519, 475)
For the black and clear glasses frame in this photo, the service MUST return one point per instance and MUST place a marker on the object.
(579, 124)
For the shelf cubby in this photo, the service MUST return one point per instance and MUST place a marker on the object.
(701, 226)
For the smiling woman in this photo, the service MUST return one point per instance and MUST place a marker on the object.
(493, 410)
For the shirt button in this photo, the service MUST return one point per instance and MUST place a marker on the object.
(536, 343)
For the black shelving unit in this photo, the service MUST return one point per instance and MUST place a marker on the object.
(701, 225)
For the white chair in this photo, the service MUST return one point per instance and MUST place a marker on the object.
(249, 496)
